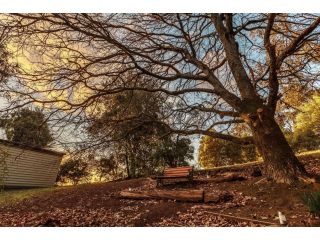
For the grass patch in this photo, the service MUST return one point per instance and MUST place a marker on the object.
(312, 201)
(308, 154)
(303, 155)
(231, 167)
(14, 196)
(238, 165)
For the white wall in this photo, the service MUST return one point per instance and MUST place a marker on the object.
(27, 168)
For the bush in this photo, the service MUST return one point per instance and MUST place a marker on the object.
(218, 152)
(306, 135)
(312, 201)
(107, 167)
(73, 170)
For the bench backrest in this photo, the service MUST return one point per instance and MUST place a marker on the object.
(178, 171)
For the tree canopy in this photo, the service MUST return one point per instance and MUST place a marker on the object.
(218, 152)
(306, 135)
(28, 127)
(213, 70)
(129, 131)
(74, 170)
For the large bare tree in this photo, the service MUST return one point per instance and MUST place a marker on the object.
(216, 70)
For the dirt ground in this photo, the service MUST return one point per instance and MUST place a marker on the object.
(99, 205)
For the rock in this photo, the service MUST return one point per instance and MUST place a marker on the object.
(282, 218)
(215, 198)
(256, 172)
(50, 223)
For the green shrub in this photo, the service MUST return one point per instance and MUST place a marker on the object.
(312, 201)
(74, 170)
(217, 152)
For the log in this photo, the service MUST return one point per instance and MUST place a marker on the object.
(178, 195)
(243, 167)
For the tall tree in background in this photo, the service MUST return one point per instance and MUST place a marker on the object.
(306, 135)
(216, 70)
(174, 152)
(293, 97)
(73, 170)
(7, 68)
(108, 167)
(129, 127)
(217, 152)
(28, 127)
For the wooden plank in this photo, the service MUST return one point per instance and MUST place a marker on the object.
(171, 177)
(177, 170)
(167, 172)
(180, 168)
(177, 174)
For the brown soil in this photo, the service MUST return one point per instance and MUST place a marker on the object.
(99, 205)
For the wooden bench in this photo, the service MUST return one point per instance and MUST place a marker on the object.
(176, 173)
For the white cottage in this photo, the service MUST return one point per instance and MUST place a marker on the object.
(23, 166)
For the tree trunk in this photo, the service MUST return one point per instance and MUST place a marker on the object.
(281, 164)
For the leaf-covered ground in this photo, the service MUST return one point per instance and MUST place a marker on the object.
(98, 205)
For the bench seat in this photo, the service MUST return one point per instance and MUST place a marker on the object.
(176, 173)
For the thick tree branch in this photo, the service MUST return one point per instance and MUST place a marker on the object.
(237, 140)
(233, 56)
(271, 51)
(296, 43)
